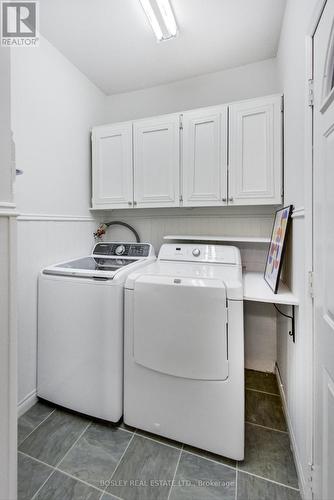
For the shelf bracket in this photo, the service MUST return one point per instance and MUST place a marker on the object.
(292, 332)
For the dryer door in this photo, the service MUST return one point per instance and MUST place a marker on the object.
(180, 326)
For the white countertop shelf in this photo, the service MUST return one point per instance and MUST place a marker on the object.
(236, 239)
(257, 290)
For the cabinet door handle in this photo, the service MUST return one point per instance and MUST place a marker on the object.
(230, 198)
(224, 199)
(130, 203)
(135, 203)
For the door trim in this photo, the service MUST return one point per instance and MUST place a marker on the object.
(8, 362)
(309, 218)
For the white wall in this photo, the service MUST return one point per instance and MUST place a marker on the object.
(5, 171)
(53, 108)
(294, 360)
(260, 336)
(245, 82)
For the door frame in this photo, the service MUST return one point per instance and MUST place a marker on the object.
(309, 216)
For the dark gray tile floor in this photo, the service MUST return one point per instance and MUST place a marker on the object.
(30, 420)
(265, 409)
(64, 456)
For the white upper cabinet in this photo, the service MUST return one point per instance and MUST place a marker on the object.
(216, 156)
(112, 166)
(204, 150)
(156, 161)
(255, 152)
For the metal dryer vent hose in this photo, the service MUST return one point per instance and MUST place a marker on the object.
(101, 230)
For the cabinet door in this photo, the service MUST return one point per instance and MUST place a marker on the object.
(205, 157)
(112, 166)
(255, 152)
(156, 161)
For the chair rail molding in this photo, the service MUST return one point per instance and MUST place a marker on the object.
(7, 205)
(55, 217)
(298, 212)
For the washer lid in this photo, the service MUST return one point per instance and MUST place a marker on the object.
(107, 261)
(95, 264)
(92, 267)
(89, 267)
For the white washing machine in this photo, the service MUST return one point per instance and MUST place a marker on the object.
(80, 329)
(184, 348)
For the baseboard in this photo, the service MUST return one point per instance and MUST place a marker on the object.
(26, 403)
(305, 491)
(260, 365)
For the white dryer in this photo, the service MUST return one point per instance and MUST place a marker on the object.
(80, 329)
(184, 348)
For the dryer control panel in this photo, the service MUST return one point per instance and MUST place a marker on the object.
(188, 252)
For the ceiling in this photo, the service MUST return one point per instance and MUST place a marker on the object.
(111, 42)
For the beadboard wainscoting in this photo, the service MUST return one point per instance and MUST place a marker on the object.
(42, 240)
(154, 224)
(294, 360)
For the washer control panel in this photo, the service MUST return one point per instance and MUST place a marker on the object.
(122, 249)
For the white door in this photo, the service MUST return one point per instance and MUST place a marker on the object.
(112, 166)
(157, 161)
(255, 151)
(204, 159)
(324, 253)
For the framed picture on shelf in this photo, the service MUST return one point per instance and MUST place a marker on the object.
(277, 247)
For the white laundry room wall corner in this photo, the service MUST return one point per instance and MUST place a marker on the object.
(244, 82)
(295, 359)
(54, 107)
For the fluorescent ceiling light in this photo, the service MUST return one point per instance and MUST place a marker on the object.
(167, 16)
(161, 18)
